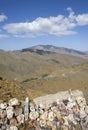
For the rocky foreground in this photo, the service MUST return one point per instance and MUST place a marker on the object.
(62, 111)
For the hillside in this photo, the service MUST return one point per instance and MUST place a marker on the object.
(40, 70)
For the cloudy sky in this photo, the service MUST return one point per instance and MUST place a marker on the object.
(25, 23)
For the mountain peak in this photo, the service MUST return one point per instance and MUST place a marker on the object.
(42, 49)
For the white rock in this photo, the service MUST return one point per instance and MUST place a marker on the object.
(42, 123)
(33, 115)
(13, 102)
(54, 109)
(71, 118)
(50, 116)
(40, 111)
(81, 101)
(3, 105)
(82, 113)
(20, 119)
(86, 109)
(58, 101)
(9, 111)
(13, 128)
(26, 109)
(41, 105)
(32, 108)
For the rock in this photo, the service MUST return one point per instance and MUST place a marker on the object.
(40, 110)
(70, 118)
(20, 119)
(13, 102)
(33, 115)
(48, 99)
(82, 113)
(86, 109)
(54, 109)
(81, 101)
(13, 122)
(3, 105)
(32, 107)
(9, 111)
(42, 123)
(44, 115)
(3, 127)
(70, 113)
(13, 128)
(50, 116)
(18, 111)
(84, 124)
(2, 114)
(26, 109)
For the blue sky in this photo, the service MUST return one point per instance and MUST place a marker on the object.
(25, 23)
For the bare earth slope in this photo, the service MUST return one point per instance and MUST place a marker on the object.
(42, 71)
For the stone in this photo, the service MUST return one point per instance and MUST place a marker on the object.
(84, 124)
(33, 115)
(82, 113)
(3, 127)
(50, 116)
(20, 119)
(13, 128)
(18, 111)
(26, 109)
(2, 113)
(40, 110)
(3, 105)
(42, 123)
(9, 111)
(32, 107)
(13, 102)
(70, 117)
(13, 121)
(86, 109)
(44, 115)
(54, 109)
(81, 101)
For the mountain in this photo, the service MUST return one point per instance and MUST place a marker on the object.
(42, 49)
(41, 70)
(86, 52)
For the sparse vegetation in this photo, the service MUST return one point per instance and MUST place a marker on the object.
(35, 75)
(44, 75)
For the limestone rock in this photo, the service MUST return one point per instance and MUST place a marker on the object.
(13, 102)
(3, 105)
(20, 119)
(9, 111)
(13, 128)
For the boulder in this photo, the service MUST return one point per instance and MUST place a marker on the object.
(13, 102)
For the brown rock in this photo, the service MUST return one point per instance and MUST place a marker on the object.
(13, 121)
(2, 113)
(18, 111)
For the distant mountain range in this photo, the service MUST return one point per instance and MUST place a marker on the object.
(42, 49)
(42, 70)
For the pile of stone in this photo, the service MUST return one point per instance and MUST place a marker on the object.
(65, 113)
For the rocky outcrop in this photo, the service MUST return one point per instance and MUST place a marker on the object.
(66, 112)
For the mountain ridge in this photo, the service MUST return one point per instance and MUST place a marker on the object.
(40, 49)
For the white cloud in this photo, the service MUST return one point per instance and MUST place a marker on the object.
(82, 19)
(3, 17)
(59, 25)
(3, 36)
